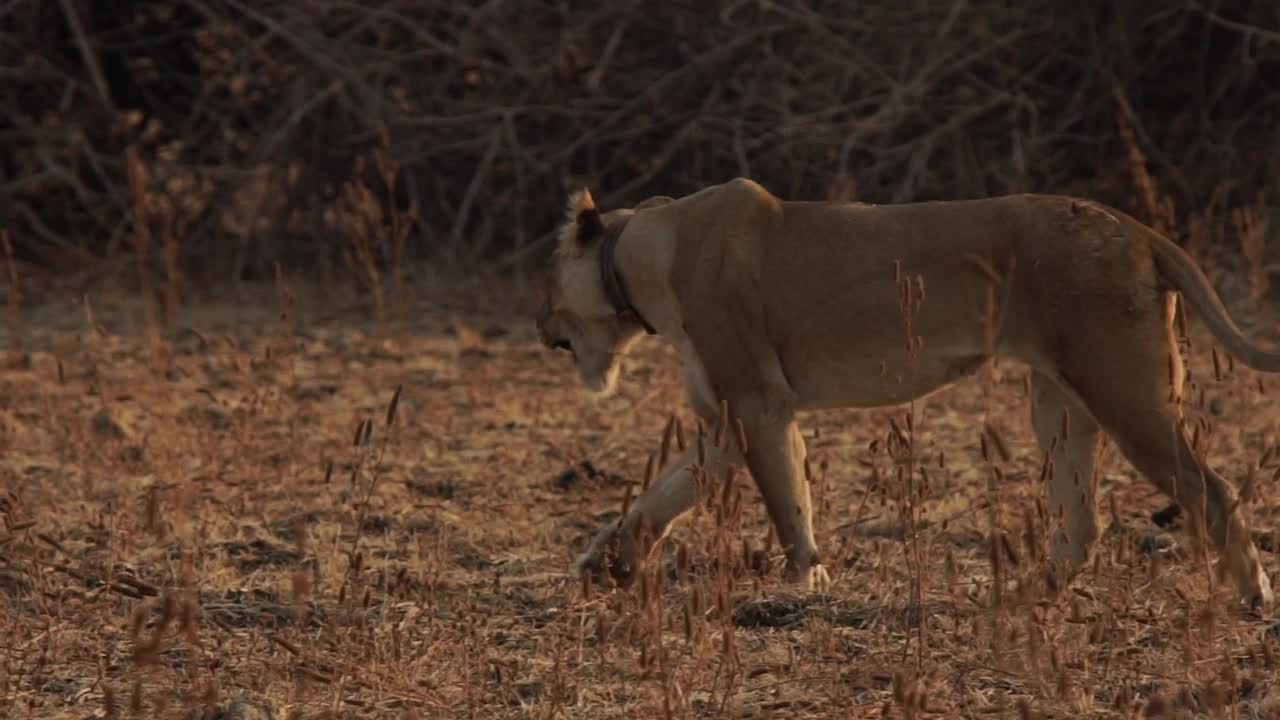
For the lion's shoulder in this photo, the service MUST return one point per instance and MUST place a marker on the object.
(737, 193)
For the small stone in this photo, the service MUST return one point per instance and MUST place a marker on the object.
(248, 707)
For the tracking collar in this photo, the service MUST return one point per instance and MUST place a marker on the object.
(614, 289)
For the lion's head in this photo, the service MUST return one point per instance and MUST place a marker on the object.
(578, 314)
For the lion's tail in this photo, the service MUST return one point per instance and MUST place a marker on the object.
(1177, 267)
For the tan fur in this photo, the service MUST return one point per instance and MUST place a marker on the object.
(781, 306)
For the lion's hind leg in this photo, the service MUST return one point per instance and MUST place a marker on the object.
(1168, 459)
(1140, 410)
(1068, 436)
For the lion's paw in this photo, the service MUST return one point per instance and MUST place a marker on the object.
(610, 555)
(812, 578)
(818, 579)
(1251, 581)
(1260, 598)
(1264, 601)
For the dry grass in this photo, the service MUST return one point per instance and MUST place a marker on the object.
(250, 530)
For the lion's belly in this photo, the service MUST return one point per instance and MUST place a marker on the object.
(859, 383)
(862, 363)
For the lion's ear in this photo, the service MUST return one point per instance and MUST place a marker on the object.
(654, 201)
(588, 228)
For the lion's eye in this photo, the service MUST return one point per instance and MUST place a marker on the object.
(561, 345)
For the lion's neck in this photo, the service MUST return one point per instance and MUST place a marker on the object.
(644, 263)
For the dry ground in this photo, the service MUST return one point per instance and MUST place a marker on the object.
(224, 525)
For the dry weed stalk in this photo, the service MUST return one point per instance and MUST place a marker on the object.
(902, 446)
(363, 495)
(139, 179)
(363, 215)
(284, 301)
(1251, 225)
(377, 238)
(727, 522)
(400, 225)
(1159, 210)
(14, 293)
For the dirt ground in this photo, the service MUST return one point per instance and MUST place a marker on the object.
(221, 522)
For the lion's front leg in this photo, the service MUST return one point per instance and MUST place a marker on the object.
(775, 456)
(620, 546)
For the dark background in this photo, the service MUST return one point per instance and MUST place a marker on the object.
(226, 136)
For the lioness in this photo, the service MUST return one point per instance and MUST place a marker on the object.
(779, 306)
